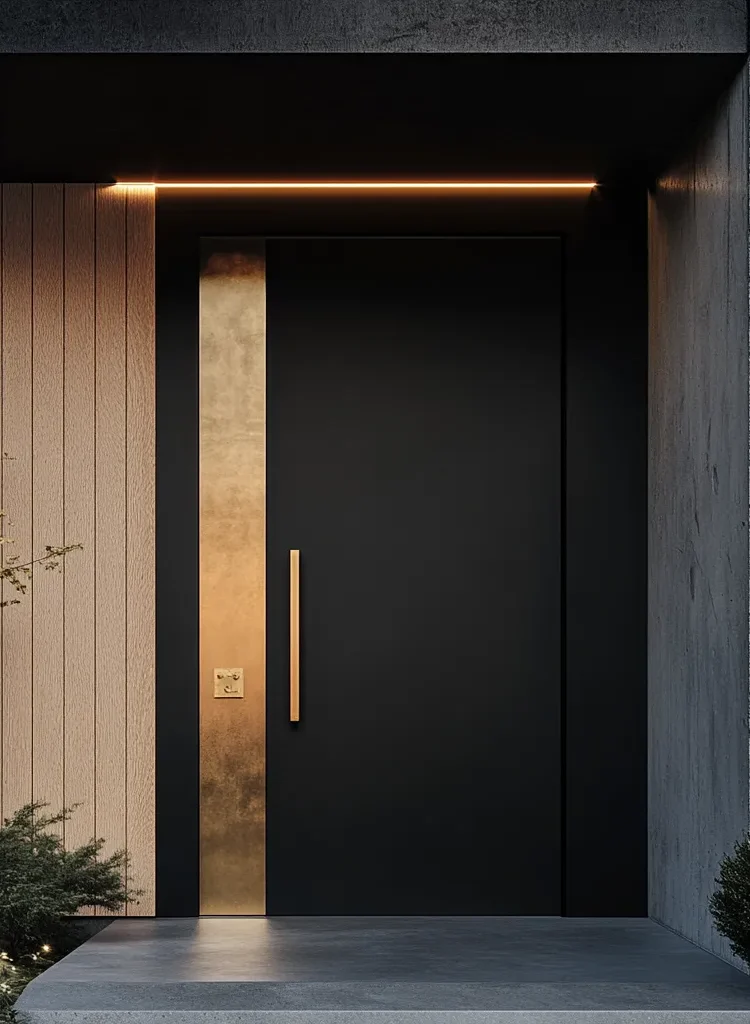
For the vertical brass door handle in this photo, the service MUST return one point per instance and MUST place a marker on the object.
(294, 636)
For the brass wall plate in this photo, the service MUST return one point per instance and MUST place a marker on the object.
(229, 682)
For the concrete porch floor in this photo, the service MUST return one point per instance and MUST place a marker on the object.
(349, 970)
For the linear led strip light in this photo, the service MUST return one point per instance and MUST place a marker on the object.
(367, 186)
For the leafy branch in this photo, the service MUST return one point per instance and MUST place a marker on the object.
(19, 574)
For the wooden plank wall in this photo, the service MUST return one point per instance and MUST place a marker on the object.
(77, 432)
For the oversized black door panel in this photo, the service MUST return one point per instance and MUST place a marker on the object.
(414, 459)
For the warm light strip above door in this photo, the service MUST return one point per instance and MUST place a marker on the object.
(367, 186)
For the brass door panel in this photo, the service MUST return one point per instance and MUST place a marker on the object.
(232, 576)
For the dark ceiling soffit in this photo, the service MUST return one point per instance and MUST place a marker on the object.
(290, 116)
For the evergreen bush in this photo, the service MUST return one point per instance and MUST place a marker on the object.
(41, 886)
(730, 903)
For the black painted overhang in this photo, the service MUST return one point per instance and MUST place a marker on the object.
(84, 117)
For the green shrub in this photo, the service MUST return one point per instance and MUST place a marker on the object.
(730, 904)
(15, 976)
(41, 885)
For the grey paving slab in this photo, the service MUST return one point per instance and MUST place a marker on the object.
(332, 969)
(400, 1017)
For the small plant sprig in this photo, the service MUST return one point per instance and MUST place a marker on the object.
(19, 574)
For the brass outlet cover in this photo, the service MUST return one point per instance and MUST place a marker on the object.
(229, 682)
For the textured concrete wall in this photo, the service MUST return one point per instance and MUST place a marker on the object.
(698, 533)
(504, 26)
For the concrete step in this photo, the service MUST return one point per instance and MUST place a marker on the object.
(388, 971)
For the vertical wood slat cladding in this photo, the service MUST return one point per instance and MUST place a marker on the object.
(77, 424)
(17, 656)
(48, 772)
(141, 540)
(2, 376)
(79, 506)
(111, 426)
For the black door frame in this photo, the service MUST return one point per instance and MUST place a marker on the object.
(603, 438)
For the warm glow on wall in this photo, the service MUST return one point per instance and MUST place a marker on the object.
(367, 186)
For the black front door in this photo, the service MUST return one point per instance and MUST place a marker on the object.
(414, 459)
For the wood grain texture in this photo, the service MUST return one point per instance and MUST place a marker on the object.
(140, 723)
(110, 463)
(79, 498)
(77, 421)
(17, 658)
(1, 498)
(47, 478)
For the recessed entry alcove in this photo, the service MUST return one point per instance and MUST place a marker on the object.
(411, 551)
(421, 509)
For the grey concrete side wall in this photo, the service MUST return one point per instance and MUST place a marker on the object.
(464, 26)
(698, 521)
